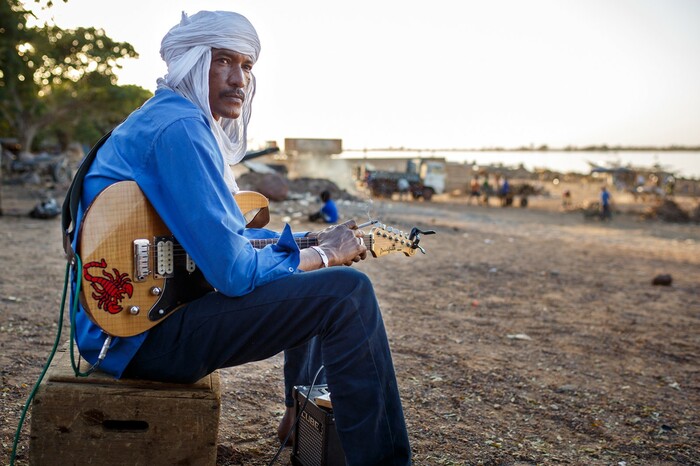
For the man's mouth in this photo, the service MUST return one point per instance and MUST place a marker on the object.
(234, 94)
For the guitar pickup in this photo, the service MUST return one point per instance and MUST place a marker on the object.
(142, 264)
(165, 257)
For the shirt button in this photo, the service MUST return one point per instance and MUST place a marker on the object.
(291, 269)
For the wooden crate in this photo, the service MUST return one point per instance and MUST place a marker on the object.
(100, 420)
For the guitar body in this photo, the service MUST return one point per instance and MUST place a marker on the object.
(134, 273)
(110, 292)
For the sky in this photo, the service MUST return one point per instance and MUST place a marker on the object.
(439, 74)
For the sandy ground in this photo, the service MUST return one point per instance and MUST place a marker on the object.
(523, 336)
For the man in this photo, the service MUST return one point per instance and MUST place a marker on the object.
(328, 212)
(403, 186)
(504, 193)
(474, 190)
(605, 212)
(178, 147)
(486, 189)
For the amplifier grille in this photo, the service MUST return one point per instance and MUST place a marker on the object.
(316, 440)
(310, 438)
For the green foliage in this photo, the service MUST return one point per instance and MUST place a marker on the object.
(60, 82)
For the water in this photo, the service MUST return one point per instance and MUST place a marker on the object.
(684, 164)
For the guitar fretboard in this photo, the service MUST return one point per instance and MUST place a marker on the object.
(303, 242)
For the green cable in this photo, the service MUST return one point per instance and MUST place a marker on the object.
(74, 310)
(43, 372)
(76, 369)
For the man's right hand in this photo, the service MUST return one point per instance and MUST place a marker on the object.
(343, 244)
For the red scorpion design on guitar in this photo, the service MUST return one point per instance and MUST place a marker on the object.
(108, 291)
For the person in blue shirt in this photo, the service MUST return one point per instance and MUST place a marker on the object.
(504, 193)
(178, 147)
(328, 212)
(605, 212)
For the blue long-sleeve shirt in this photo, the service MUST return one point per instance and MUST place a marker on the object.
(168, 149)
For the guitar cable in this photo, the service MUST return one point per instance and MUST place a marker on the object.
(105, 345)
(76, 368)
(296, 421)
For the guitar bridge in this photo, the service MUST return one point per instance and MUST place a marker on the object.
(142, 264)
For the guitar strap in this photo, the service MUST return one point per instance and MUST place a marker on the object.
(69, 211)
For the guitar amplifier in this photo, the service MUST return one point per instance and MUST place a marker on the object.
(316, 441)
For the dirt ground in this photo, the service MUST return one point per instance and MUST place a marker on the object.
(524, 336)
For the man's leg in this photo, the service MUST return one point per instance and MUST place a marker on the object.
(301, 364)
(339, 306)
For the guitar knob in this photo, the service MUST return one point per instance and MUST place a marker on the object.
(134, 310)
(156, 291)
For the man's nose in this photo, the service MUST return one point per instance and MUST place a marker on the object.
(236, 77)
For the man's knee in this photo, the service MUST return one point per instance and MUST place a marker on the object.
(351, 282)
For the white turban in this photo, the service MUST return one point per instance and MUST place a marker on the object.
(186, 49)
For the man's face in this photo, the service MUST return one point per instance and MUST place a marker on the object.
(229, 75)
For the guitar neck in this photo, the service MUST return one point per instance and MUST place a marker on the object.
(303, 242)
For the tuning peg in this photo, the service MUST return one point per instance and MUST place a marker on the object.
(415, 232)
(415, 237)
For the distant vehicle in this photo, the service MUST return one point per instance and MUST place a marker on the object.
(432, 173)
(425, 178)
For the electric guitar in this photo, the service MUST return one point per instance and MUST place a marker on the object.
(134, 273)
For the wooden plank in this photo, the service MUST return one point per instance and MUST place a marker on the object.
(100, 420)
(62, 371)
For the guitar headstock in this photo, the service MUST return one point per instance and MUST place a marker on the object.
(386, 240)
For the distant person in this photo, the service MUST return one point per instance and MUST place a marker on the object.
(328, 212)
(504, 193)
(474, 191)
(566, 199)
(669, 185)
(641, 181)
(605, 212)
(486, 191)
(403, 186)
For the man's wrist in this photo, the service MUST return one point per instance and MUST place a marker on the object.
(322, 253)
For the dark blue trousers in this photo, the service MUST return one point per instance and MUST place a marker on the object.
(338, 309)
(301, 365)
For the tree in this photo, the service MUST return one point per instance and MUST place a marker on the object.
(97, 106)
(49, 75)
